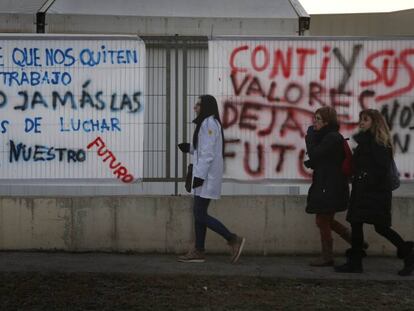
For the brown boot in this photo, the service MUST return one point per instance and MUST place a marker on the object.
(326, 260)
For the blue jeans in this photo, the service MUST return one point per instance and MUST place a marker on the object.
(202, 221)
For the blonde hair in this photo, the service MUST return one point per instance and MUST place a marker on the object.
(379, 127)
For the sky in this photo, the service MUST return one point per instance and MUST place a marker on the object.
(355, 6)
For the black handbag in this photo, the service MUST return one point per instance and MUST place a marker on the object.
(189, 178)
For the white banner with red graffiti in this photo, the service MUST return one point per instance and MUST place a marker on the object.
(268, 90)
(72, 108)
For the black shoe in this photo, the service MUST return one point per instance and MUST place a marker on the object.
(349, 268)
(406, 249)
(408, 266)
(355, 254)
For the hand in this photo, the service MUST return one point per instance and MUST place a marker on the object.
(184, 147)
(197, 182)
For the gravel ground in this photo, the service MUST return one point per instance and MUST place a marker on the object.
(120, 291)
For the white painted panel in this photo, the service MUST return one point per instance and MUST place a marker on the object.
(97, 133)
(269, 89)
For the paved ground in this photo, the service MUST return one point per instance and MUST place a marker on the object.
(376, 268)
(39, 281)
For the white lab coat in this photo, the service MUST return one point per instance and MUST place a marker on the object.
(207, 159)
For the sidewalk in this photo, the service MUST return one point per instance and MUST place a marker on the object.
(292, 267)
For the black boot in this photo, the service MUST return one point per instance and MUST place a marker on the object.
(405, 250)
(347, 236)
(353, 263)
(407, 253)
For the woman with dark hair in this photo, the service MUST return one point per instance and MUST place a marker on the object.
(329, 191)
(207, 157)
(371, 192)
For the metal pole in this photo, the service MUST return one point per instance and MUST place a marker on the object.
(168, 114)
(40, 22)
(41, 16)
(176, 116)
(185, 106)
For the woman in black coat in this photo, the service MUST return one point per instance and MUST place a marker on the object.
(371, 192)
(329, 192)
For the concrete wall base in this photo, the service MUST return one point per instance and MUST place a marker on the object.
(271, 224)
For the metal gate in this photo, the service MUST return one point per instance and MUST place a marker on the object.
(176, 76)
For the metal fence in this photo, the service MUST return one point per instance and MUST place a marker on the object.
(177, 72)
(176, 76)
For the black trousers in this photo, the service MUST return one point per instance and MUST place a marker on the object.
(386, 232)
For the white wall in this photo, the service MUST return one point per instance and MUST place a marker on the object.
(170, 26)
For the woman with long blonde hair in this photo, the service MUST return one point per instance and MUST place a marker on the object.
(371, 193)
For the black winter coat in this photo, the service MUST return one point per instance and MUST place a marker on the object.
(329, 192)
(371, 187)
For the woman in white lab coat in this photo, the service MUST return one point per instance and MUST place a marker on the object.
(207, 157)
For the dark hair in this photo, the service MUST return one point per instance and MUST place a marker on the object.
(328, 115)
(208, 107)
